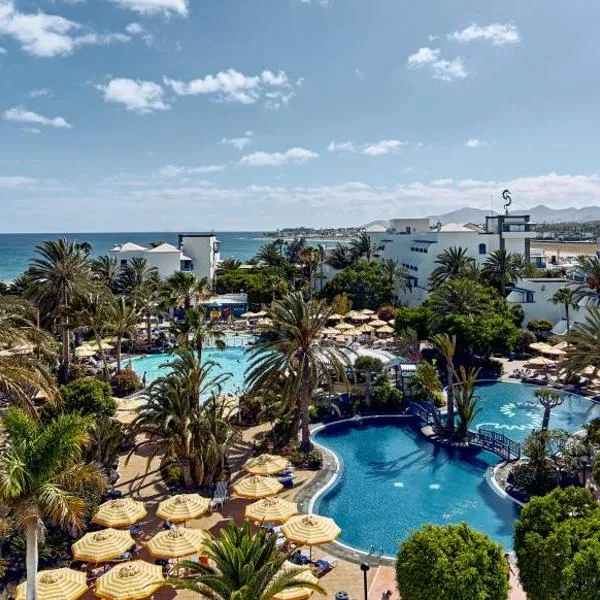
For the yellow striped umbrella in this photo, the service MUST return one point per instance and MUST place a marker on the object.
(257, 486)
(131, 581)
(344, 326)
(121, 512)
(377, 323)
(183, 507)
(99, 546)
(271, 510)
(56, 584)
(177, 543)
(266, 464)
(311, 530)
(305, 575)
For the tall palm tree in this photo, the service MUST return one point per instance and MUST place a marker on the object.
(107, 270)
(21, 372)
(42, 477)
(584, 348)
(247, 566)
(186, 290)
(396, 275)
(549, 399)
(309, 257)
(136, 277)
(502, 268)
(121, 320)
(92, 315)
(340, 257)
(321, 260)
(59, 275)
(466, 400)
(453, 263)
(458, 296)
(270, 255)
(196, 330)
(566, 297)
(589, 267)
(229, 264)
(289, 348)
(446, 346)
(294, 248)
(362, 247)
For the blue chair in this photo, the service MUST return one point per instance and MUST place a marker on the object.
(167, 525)
(135, 530)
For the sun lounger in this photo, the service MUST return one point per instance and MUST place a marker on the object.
(220, 496)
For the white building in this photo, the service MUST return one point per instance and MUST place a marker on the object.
(416, 245)
(197, 253)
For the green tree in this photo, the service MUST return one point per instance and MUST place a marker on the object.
(451, 563)
(59, 275)
(107, 270)
(229, 264)
(425, 383)
(89, 397)
(453, 263)
(186, 290)
(309, 257)
(557, 540)
(549, 399)
(584, 350)
(466, 401)
(361, 247)
(270, 254)
(446, 346)
(121, 320)
(397, 275)
(340, 257)
(42, 477)
(459, 297)
(502, 268)
(364, 283)
(565, 296)
(589, 268)
(247, 566)
(417, 318)
(289, 348)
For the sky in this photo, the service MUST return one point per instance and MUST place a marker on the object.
(133, 115)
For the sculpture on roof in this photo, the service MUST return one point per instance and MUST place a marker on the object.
(507, 200)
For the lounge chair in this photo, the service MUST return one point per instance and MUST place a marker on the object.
(220, 496)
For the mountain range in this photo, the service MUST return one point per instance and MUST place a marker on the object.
(539, 214)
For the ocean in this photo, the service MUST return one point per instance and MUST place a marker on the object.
(16, 249)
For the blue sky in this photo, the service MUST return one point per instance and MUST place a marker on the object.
(252, 114)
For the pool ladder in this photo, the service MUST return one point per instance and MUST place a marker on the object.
(374, 554)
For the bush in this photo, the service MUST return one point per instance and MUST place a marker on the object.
(526, 477)
(490, 369)
(451, 563)
(386, 313)
(386, 397)
(125, 383)
(557, 542)
(417, 318)
(314, 460)
(88, 396)
(539, 325)
(524, 340)
(439, 399)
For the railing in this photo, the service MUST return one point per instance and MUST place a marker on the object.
(425, 411)
(497, 443)
(518, 227)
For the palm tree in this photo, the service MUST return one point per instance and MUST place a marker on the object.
(396, 275)
(196, 330)
(466, 401)
(549, 399)
(121, 320)
(502, 268)
(446, 346)
(92, 315)
(42, 477)
(229, 264)
(321, 259)
(58, 276)
(566, 297)
(247, 566)
(186, 290)
(294, 248)
(289, 348)
(589, 267)
(21, 373)
(453, 263)
(425, 382)
(362, 247)
(107, 270)
(270, 255)
(136, 277)
(340, 257)
(457, 296)
(309, 257)
(584, 349)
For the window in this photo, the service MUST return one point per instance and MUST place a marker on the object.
(482, 249)
(123, 262)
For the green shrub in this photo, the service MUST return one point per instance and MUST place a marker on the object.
(524, 340)
(451, 563)
(125, 382)
(314, 460)
(439, 399)
(539, 481)
(539, 325)
(88, 396)
(490, 368)
(386, 397)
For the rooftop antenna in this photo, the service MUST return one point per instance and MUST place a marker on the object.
(507, 200)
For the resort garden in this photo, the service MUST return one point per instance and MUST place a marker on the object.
(76, 417)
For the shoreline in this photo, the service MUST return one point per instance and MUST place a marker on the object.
(306, 237)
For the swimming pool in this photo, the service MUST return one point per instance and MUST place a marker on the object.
(394, 481)
(231, 360)
(512, 409)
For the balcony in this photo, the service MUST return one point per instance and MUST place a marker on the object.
(519, 230)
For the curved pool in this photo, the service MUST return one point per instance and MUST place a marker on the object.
(392, 480)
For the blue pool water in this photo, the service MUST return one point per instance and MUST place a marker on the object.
(231, 360)
(512, 409)
(395, 481)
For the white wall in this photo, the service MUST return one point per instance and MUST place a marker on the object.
(201, 250)
(167, 263)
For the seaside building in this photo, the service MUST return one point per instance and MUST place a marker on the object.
(415, 244)
(197, 253)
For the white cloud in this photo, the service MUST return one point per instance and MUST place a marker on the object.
(20, 114)
(359, 74)
(139, 30)
(498, 33)
(16, 181)
(341, 147)
(442, 69)
(233, 86)
(424, 56)
(175, 171)
(474, 143)
(136, 95)
(239, 142)
(3, 50)
(276, 159)
(32, 130)
(442, 182)
(40, 92)
(382, 147)
(155, 7)
(44, 35)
